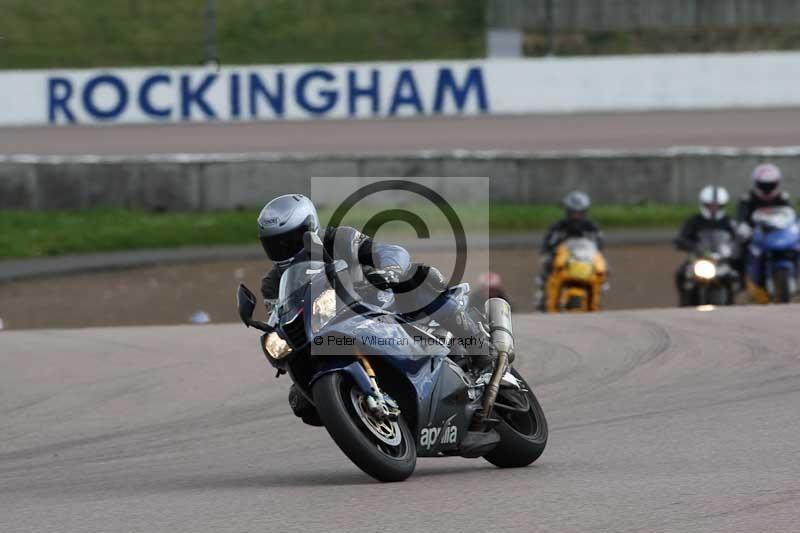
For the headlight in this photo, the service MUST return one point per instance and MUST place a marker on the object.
(323, 310)
(704, 269)
(276, 347)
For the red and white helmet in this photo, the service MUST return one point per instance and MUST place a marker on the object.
(766, 180)
(490, 283)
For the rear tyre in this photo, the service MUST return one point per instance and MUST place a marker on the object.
(384, 450)
(783, 293)
(523, 434)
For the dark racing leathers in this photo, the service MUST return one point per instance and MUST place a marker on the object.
(687, 241)
(381, 261)
(749, 203)
(557, 233)
(387, 265)
(340, 244)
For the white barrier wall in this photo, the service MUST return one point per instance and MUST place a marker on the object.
(366, 90)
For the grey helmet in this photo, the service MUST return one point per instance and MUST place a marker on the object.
(282, 224)
(576, 202)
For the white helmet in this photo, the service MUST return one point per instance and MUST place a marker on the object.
(766, 180)
(713, 200)
(282, 224)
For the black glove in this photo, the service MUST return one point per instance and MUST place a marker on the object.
(683, 244)
(384, 278)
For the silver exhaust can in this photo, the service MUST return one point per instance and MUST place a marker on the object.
(498, 312)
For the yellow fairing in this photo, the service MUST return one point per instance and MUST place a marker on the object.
(580, 270)
(575, 284)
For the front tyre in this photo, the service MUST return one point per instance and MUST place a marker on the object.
(522, 427)
(718, 295)
(384, 450)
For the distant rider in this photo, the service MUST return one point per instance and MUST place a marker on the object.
(575, 223)
(490, 285)
(712, 216)
(764, 193)
(282, 224)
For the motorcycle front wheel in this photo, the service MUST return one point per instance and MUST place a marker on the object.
(385, 450)
(718, 295)
(522, 427)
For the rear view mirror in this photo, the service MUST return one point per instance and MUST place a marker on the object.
(246, 301)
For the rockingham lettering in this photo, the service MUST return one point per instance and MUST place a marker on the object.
(264, 93)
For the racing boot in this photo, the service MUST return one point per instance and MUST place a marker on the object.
(302, 408)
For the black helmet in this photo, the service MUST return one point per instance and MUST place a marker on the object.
(576, 203)
(282, 224)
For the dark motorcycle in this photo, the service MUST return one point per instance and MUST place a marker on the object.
(388, 389)
(710, 277)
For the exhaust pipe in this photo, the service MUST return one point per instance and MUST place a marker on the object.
(498, 311)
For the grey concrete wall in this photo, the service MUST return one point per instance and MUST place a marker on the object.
(181, 182)
(616, 15)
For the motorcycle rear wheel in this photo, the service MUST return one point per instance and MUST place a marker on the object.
(523, 435)
(385, 451)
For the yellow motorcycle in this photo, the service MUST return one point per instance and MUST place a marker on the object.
(577, 276)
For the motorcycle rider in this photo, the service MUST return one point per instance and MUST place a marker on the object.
(764, 193)
(490, 285)
(575, 223)
(712, 216)
(282, 224)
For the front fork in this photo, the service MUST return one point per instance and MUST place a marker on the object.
(380, 405)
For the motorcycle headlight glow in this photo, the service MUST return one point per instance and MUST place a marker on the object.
(704, 269)
(323, 310)
(276, 347)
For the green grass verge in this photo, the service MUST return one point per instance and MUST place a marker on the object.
(39, 234)
(92, 33)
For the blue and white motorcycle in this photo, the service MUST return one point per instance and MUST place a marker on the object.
(772, 263)
(386, 388)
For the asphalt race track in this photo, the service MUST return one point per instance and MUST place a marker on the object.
(674, 420)
(618, 131)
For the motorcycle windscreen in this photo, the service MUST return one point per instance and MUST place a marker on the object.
(715, 241)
